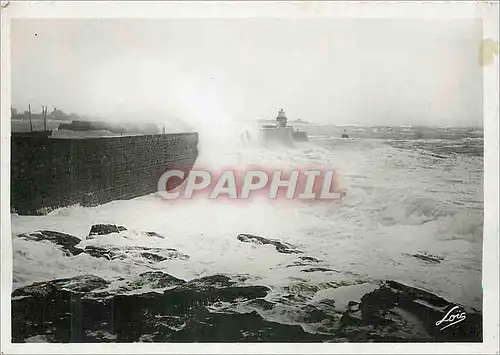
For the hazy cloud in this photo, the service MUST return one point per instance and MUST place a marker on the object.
(336, 70)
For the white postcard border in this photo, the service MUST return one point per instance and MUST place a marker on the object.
(488, 11)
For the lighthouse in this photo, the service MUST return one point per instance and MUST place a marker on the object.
(282, 133)
(281, 119)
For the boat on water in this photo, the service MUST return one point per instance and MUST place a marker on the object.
(281, 133)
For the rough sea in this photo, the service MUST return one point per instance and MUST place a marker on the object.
(413, 212)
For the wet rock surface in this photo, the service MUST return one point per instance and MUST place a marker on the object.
(78, 310)
(104, 229)
(281, 247)
(78, 284)
(309, 259)
(155, 306)
(319, 269)
(428, 258)
(65, 241)
(180, 314)
(122, 252)
(154, 234)
(153, 280)
(398, 311)
(70, 245)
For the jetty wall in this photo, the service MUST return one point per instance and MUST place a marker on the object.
(300, 136)
(47, 173)
(281, 136)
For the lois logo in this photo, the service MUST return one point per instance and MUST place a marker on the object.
(454, 316)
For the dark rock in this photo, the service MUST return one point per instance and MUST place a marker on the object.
(54, 308)
(311, 314)
(322, 269)
(366, 334)
(103, 229)
(262, 304)
(65, 241)
(78, 284)
(98, 252)
(414, 293)
(154, 279)
(297, 264)
(281, 247)
(215, 294)
(37, 289)
(212, 281)
(431, 308)
(154, 234)
(352, 318)
(151, 280)
(436, 155)
(373, 303)
(161, 277)
(124, 252)
(180, 314)
(83, 283)
(154, 257)
(429, 258)
(405, 312)
(310, 259)
(246, 327)
(328, 302)
(47, 311)
(68, 244)
(85, 309)
(304, 261)
(352, 304)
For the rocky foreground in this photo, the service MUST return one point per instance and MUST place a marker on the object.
(155, 306)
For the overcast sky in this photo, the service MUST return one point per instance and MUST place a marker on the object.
(324, 70)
